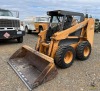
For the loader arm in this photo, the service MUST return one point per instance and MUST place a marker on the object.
(90, 31)
(42, 35)
(64, 34)
(41, 38)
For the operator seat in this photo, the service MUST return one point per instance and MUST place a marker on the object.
(68, 22)
(50, 32)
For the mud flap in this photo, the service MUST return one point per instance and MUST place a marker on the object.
(32, 67)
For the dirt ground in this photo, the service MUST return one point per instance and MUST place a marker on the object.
(81, 76)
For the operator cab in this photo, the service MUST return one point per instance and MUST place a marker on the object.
(61, 20)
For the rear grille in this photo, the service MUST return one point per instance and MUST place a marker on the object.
(9, 23)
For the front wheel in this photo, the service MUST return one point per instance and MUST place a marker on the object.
(65, 56)
(20, 39)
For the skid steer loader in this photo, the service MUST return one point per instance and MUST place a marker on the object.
(67, 38)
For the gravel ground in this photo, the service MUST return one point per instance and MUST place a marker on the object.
(81, 76)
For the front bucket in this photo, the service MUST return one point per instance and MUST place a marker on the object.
(32, 67)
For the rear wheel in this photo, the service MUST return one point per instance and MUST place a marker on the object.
(20, 39)
(40, 29)
(65, 56)
(83, 50)
(27, 30)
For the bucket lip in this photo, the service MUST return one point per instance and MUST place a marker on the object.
(46, 71)
(19, 76)
(47, 58)
(38, 81)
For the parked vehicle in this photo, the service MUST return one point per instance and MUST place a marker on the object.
(10, 27)
(97, 25)
(60, 45)
(36, 24)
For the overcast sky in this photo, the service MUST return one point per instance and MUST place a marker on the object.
(40, 7)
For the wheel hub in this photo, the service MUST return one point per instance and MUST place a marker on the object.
(86, 51)
(68, 57)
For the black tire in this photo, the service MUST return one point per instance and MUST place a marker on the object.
(20, 39)
(96, 31)
(40, 29)
(83, 50)
(27, 30)
(60, 56)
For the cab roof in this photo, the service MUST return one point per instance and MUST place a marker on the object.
(63, 12)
